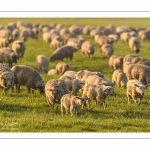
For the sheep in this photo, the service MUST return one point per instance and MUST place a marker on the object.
(7, 34)
(83, 74)
(6, 78)
(24, 35)
(139, 72)
(87, 49)
(62, 67)
(134, 44)
(97, 93)
(4, 42)
(106, 50)
(8, 55)
(15, 33)
(95, 79)
(29, 77)
(128, 58)
(46, 37)
(73, 84)
(135, 90)
(72, 103)
(52, 72)
(11, 26)
(125, 36)
(70, 73)
(120, 78)
(19, 47)
(42, 63)
(63, 52)
(54, 90)
(55, 43)
(115, 62)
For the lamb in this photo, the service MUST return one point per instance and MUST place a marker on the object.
(6, 78)
(70, 73)
(134, 44)
(63, 52)
(19, 47)
(120, 78)
(83, 74)
(139, 72)
(72, 103)
(135, 91)
(54, 90)
(4, 42)
(87, 49)
(29, 77)
(8, 55)
(106, 50)
(62, 67)
(98, 93)
(73, 84)
(95, 79)
(42, 63)
(115, 62)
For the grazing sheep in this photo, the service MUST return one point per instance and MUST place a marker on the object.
(115, 62)
(134, 44)
(98, 93)
(6, 78)
(128, 58)
(7, 34)
(87, 49)
(125, 36)
(4, 42)
(106, 50)
(139, 72)
(83, 74)
(72, 103)
(135, 91)
(95, 79)
(46, 37)
(54, 90)
(42, 63)
(73, 84)
(15, 33)
(52, 72)
(62, 67)
(24, 35)
(55, 43)
(63, 52)
(142, 35)
(120, 78)
(70, 73)
(29, 77)
(19, 47)
(11, 26)
(8, 55)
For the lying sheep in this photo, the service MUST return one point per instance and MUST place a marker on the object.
(62, 67)
(106, 50)
(42, 63)
(115, 62)
(72, 103)
(54, 90)
(70, 73)
(29, 77)
(19, 47)
(63, 52)
(97, 93)
(73, 84)
(87, 49)
(135, 91)
(6, 78)
(134, 44)
(4, 42)
(83, 74)
(120, 78)
(8, 55)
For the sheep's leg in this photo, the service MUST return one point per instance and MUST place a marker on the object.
(71, 111)
(104, 105)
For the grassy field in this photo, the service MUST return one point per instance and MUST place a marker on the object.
(30, 112)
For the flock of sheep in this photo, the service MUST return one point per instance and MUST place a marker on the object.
(130, 72)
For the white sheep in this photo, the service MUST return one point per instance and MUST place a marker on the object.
(135, 90)
(72, 103)
(134, 44)
(115, 62)
(62, 67)
(70, 73)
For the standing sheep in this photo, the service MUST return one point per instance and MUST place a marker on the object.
(135, 91)
(134, 44)
(29, 77)
(42, 63)
(120, 78)
(106, 51)
(6, 78)
(87, 49)
(115, 62)
(62, 67)
(54, 90)
(19, 47)
(125, 36)
(72, 103)
(70, 73)
(4, 42)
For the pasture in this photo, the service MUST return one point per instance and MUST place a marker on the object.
(23, 112)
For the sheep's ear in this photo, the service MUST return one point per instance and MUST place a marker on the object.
(136, 85)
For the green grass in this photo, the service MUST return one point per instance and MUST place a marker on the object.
(30, 112)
